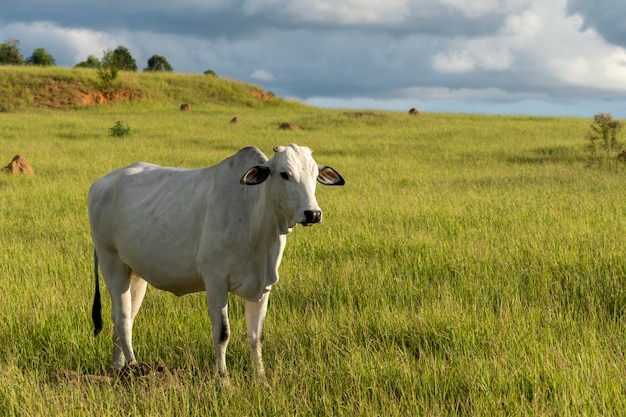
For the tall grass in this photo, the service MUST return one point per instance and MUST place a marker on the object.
(472, 265)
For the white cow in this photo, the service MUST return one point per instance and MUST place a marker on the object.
(216, 229)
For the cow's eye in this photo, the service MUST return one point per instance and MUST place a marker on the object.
(284, 175)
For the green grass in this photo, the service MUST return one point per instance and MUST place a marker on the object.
(471, 265)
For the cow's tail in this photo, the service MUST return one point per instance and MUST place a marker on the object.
(96, 310)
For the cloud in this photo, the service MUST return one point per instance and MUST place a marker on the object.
(478, 8)
(605, 17)
(472, 94)
(535, 51)
(472, 59)
(349, 11)
(262, 75)
(68, 46)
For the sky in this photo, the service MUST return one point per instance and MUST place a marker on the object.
(526, 57)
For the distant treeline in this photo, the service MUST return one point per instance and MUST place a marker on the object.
(119, 58)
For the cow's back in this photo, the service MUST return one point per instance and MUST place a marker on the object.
(152, 189)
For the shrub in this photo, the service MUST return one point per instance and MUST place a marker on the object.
(603, 134)
(119, 129)
(107, 73)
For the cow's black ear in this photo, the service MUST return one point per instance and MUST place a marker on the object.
(255, 175)
(329, 176)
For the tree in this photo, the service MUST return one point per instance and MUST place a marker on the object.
(107, 71)
(41, 57)
(158, 63)
(91, 62)
(120, 59)
(10, 53)
(210, 72)
(604, 131)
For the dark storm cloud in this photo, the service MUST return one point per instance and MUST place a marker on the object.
(607, 17)
(233, 20)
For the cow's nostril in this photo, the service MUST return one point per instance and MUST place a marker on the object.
(313, 216)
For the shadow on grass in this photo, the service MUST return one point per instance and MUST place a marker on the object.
(547, 155)
(140, 373)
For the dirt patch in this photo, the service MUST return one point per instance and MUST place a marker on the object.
(142, 373)
(260, 95)
(62, 94)
(111, 96)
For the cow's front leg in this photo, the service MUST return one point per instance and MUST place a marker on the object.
(218, 311)
(255, 318)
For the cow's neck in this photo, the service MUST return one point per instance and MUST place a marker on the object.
(266, 243)
(267, 220)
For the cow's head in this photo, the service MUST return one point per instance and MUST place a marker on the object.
(291, 176)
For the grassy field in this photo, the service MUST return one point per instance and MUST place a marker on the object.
(472, 265)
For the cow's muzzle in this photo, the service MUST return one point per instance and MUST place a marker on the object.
(311, 217)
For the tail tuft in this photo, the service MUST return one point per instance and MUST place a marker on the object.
(96, 310)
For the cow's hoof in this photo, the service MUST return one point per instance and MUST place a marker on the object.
(222, 382)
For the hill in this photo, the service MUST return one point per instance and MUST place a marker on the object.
(68, 88)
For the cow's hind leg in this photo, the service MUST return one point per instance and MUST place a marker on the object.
(118, 281)
(138, 288)
(255, 318)
(137, 291)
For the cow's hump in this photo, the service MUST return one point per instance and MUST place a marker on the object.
(246, 158)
